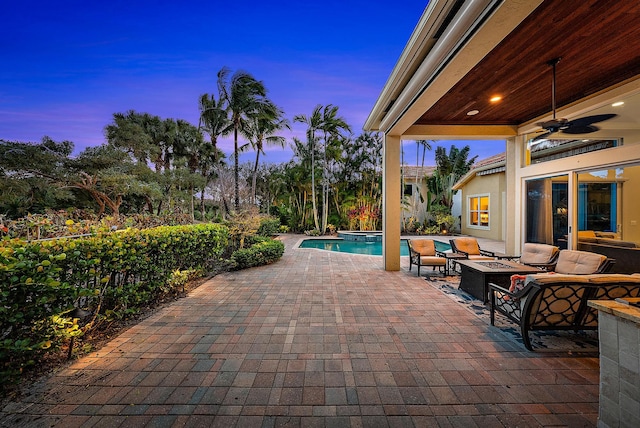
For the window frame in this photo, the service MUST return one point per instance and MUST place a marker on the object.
(478, 225)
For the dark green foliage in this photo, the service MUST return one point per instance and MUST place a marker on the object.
(111, 276)
(262, 251)
(269, 226)
(457, 162)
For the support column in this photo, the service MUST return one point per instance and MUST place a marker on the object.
(391, 203)
(513, 209)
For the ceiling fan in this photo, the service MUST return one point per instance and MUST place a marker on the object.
(582, 125)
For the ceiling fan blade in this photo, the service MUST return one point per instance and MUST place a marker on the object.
(553, 125)
(541, 136)
(588, 120)
(580, 129)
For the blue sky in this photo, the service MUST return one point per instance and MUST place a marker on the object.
(67, 66)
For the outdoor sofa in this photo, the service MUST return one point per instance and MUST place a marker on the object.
(558, 300)
(550, 301)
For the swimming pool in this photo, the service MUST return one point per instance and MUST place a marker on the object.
(359, 247)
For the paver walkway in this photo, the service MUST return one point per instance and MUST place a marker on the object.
(317, 339)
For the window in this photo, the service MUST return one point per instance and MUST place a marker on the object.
(479, 211)
(547, 150)
(408, 190)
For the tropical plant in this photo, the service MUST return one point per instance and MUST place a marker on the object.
(213, 121)
(260, 130)
(325, 121)
(313, 122)
(332, 128)
(449, 169)
(243, 96)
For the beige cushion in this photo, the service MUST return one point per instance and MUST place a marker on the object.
(467, 245)
(610, 235)
(552, 277)
(586, 234)
(617, 242)
(424, 247)
(578, 262)
(537, 253)
(432, 261)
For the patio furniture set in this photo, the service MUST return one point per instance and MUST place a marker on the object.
(544, 288)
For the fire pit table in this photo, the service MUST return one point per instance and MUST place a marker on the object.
(476, 275)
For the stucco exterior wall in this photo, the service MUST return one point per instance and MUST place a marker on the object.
(494, 186)
(631, 205)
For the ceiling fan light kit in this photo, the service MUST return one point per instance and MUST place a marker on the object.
(583, 125)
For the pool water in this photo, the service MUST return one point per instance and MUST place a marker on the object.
(358, 247)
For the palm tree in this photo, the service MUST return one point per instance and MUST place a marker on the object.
(213, 117)
(332, 128)
(214, 120)
(260, 130)
(425, 145)
(243, 96)
(313, 122)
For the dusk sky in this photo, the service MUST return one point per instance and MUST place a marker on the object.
(68, 66)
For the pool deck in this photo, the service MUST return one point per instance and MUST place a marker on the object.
(317, 339)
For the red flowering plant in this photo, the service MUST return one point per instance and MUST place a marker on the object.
(363, 217)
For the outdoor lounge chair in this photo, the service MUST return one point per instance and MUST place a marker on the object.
(422, 252)
(469, 248)
(543, 256)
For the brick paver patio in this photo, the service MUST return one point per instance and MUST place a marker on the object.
(317, 339)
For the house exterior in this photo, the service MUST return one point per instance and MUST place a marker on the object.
(558, 81)
(482, 199)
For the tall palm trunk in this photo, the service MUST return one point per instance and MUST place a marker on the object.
(313, 187)
(325, 189)
(255, 177)
(236, 168)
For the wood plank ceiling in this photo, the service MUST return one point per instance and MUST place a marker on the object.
(598, 41)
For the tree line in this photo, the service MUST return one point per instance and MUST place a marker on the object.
(153, 165)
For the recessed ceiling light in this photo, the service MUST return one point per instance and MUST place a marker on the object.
(472, 112)
(495, 98)
(617, 104)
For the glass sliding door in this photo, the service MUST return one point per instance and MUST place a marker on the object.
(547, 210)
(597, 207)
(608, 203)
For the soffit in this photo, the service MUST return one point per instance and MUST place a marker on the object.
(598, 41)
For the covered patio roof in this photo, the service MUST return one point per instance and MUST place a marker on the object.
(462, 53)
(479, 69)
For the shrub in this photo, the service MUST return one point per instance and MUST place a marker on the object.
(269, 226)
(111, 275)
(283, 229)
(241, 226)
(262, 251)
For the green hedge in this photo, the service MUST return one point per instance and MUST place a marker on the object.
(261, 251)
(111, 275)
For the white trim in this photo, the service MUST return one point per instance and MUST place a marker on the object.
(488, 210)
